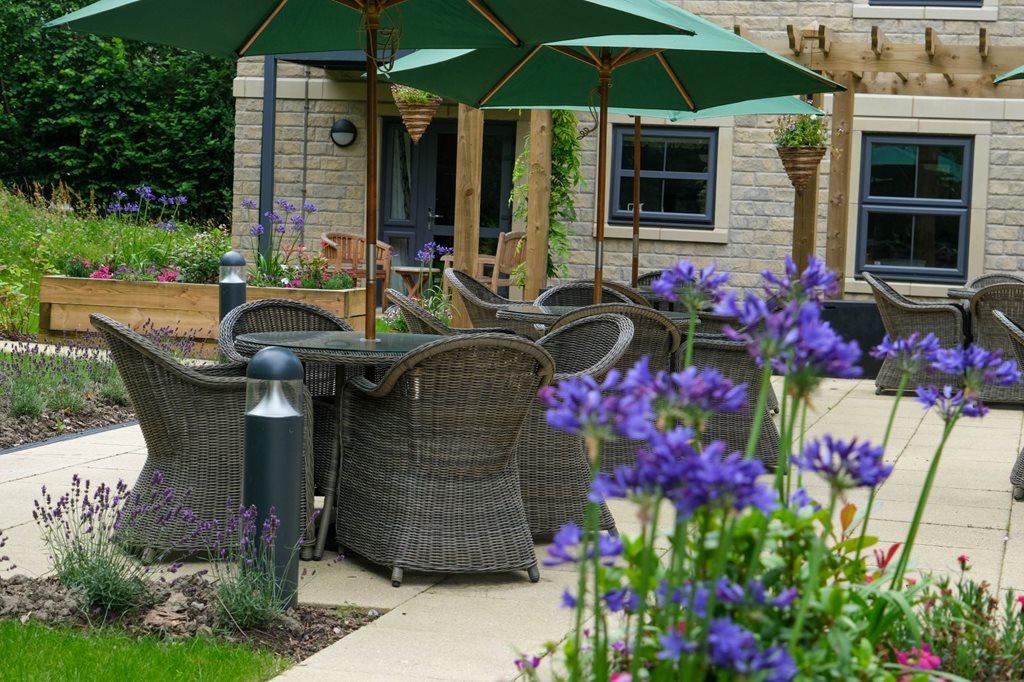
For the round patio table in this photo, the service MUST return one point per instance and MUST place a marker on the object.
(341, 349)
(547, 314)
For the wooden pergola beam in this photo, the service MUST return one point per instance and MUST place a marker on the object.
(879, 42)
(934, 85)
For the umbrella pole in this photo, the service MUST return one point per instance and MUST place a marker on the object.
(370, 319)
(637, 132)
(602, 182)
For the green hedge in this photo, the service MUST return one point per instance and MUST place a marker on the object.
(100, 114)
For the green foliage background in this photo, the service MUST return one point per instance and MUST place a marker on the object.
(98, 114)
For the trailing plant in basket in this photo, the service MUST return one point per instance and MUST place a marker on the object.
(801, 130)
(735, 574)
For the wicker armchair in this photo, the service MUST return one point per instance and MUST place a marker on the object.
(732, 360)
(581, 293)
(1016, 336)
(987, 280)
(193, 421)
(990, 333)
(283, 315)
(901, 317)
(429, 479)
(554, 471)
(422, 321)
(481, 305)
(655, 337)
(647, 278)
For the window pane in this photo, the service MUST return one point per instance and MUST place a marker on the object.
(893, 170)
(908, 240)
(652, 153)
(686, 196)
(687, 154)
(400, 180)
(650, 194)
(490, 185)
(444, 189)
(941, 172)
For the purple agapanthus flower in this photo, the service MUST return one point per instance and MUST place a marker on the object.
(568, 600)
(950, 402)
(181, 200)
(733, 647)
(765, 332)
(256, 230)
(844, 464)
(690, 396)
(298, 222)
(120, 195)
(595, 410)
(309, 207)
(800, 499)
(909, 353)
(623, 599)
(249, 203)
(977, 366)
(674, 647)
(167, 226)
(145, 193)
(813, 284)
(696, 288)
(280, 229)
(131, 207)
(285, 205)
(566, 539)
(718, 481)
(818, 351)
(114, 207)
(273, 217)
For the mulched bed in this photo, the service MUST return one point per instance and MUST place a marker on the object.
(16, 431)
(184, 607)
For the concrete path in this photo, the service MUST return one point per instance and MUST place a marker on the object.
(473, 627)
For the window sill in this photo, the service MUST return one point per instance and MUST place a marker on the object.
(669, 234)
(915, 289)
(990, 12)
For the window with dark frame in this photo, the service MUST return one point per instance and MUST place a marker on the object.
(914, 217)
(677, 176)
(926, 3)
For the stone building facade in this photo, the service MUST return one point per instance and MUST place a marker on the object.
(752, 200)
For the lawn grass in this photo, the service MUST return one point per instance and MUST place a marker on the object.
(36, 652)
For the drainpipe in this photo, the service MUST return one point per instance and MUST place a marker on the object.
(267, 148)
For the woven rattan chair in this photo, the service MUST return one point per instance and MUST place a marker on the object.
(732, 360)
(481, 305)
(987, 280)
(990, 333)
(422, 321)
(283, 315)
(193, 421)
(647, 278)
(554, 471)
(902, 317)
(429, 479)
(581, 293)
(654, 336)
(1016, 336)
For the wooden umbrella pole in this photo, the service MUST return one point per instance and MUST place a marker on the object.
(372, 25)
(637, 132)
(602, 181)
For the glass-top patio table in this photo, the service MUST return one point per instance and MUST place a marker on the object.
(341, 349)
(548, 314)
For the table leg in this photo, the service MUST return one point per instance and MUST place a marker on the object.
(327, 515)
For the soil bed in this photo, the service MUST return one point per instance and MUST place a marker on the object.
(184, 607)
(16, 431)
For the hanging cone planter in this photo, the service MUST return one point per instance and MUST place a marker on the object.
(801, 164)
(416, 107)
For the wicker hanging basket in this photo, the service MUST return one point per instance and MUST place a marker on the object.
(801, 164)
(416, 115)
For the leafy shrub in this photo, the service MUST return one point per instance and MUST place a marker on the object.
(81, 533)
(801, 130)
(338, 281)
(97, 113)
(198, 262)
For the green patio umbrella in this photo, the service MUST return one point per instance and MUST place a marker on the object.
(782, 106)
(712, 68)
(237, 28)
(1014, 75)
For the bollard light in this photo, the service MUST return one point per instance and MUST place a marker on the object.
(232, 282)
(274, 406)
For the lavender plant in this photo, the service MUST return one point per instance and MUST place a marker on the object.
(751, 580)
(86, 531)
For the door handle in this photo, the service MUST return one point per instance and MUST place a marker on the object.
(432, 218)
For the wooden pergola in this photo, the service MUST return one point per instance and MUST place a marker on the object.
(874, 65)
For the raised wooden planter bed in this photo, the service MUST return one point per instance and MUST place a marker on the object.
(191, 309)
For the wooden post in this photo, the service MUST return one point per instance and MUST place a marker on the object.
(538, 203)
(839, 179)
(805, 216)
(468, 169)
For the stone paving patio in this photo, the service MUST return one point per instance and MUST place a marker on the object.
(471, 627)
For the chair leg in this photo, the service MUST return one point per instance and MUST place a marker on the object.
(396, 576)
(1018, 492)
(534, 573)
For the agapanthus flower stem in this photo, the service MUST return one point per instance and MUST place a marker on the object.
(645, 577)
(691, 332)
(812, 586)
(762, 402)
(922, 502)
(788, 420)
(900, 389)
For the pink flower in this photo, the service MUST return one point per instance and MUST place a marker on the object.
(104, 272)
(621, 677)
(294, 284)
(527, 662)
(919, 659)
(911, 581)
(1020, 599)
(167, 275)
(963, 559)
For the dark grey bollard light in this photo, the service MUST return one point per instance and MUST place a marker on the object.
(232, 282)
(274, 405)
